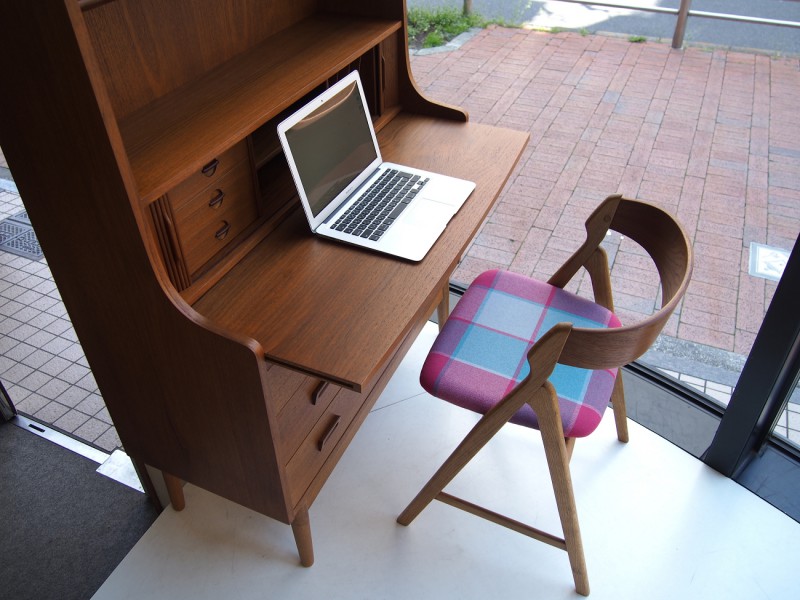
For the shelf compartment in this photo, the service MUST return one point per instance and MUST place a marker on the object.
(177, 134)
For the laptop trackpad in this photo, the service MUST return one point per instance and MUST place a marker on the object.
(427, 214)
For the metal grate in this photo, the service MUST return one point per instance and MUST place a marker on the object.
(17, 237)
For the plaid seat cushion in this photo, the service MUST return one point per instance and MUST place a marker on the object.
(481, 353)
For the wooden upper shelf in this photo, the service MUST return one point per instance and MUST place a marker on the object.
(178, 133)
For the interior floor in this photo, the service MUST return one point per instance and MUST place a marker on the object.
(656, 522)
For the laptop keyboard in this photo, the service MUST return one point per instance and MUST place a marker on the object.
(380, 205)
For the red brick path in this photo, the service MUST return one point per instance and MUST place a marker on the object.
(713, 136)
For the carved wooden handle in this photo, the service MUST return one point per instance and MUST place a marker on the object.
(329, 432)
(323, 385)
(209, 169)
(223, 231)
(216, 201)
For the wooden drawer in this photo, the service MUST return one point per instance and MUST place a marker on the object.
(302, 412)
(209, 175)
(215, 216)
(318, 445)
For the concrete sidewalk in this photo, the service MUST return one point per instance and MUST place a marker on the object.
(713, 136)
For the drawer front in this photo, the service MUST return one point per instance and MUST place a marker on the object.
(318, 445)
(209, 175)
(302, 412)
(215, 216)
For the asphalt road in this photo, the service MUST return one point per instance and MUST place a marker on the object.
(629, 22)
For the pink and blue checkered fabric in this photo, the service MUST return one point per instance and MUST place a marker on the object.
(481, 353)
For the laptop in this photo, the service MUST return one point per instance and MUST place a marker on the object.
(336, 164)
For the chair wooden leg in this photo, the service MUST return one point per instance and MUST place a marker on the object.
(175, 491)
(476, 439)
(618, 404)
(570, 445)
(443, 310)
(557, 456)
(301, 528)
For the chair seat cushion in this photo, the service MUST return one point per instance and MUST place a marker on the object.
(481, 353)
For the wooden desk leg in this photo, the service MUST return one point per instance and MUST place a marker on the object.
(443, 310)
(175, 491)
(301, 528)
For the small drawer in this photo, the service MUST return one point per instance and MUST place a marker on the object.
(215, 216)
(302, 412)
(208, 175)
(318, 445)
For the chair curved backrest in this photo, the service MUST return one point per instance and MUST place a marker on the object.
(665, 241)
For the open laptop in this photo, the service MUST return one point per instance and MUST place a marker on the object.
(336, 164)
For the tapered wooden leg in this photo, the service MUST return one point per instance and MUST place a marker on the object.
(443, 310)
(175, 491)
(618, 404)
(570, 445)
(476, 439)
(558, 463)
(301, 528)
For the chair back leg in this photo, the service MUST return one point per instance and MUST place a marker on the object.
(618, 404)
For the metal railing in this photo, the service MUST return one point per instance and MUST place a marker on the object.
(683, 12)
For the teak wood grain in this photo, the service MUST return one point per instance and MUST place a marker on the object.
(111, 106)
(176, 134)
(311, 283)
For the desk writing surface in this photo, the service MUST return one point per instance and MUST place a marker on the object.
(340, 312)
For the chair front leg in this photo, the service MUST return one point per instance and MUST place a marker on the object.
(555, 449)
(476, 439)
(569, 443)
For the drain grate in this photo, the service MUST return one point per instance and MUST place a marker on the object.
(17, 237)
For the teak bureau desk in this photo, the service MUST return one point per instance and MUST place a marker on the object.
(233, 349)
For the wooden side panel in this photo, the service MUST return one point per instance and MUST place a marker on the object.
(185, 397)
(411, 97)
(147, 48)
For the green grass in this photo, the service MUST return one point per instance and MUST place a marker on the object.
(637, 39)
(429, 28)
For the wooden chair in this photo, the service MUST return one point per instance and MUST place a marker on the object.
(524, 351)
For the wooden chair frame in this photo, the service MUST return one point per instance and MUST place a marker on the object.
(669, 247)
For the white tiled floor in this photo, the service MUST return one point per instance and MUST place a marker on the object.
(656, 522)
(42, 364)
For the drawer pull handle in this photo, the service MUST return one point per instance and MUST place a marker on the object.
(323, 385)
(210, 168)
(223, 231)
(216, 201)
(329, 432)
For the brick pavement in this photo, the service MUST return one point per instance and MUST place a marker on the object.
(711, 135)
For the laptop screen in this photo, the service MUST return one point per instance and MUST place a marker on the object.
(331, 146)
